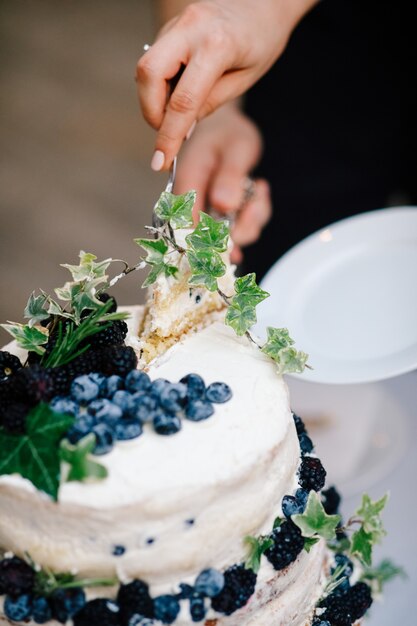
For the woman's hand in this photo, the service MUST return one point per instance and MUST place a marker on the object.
(225, 47)
(216, 162)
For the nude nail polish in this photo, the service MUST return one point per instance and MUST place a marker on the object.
(158, 160)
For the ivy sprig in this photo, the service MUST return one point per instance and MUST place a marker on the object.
(78, 457)
(47, 582)
(314, 522)
(378, 576)
(35, 454)
(256, 547)
(280, 347)
(370, 531)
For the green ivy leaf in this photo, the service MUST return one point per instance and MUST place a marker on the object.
(361, 546)
(28, 338)
(81, 296)
(279, 347)
(309, 542)
(177, 210)
(257, 546)
(209, 234)
(240, 316)
(370, 513)
(34, 309)
(87, 269)
(248, 291)
(77, 456)
(241, 313)
(155, 250)
(315, 521)
(277, 339)
(35, 455)
(383, 573)
(206, 268)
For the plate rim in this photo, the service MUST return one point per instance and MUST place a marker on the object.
(367, 216)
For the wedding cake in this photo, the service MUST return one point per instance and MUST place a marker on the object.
(159, 476)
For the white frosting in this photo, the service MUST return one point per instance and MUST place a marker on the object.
(228, 473)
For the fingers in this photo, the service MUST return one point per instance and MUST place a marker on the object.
(153, 71)
(239, 156)
(254, 216)
(185, 103)
(195, 169)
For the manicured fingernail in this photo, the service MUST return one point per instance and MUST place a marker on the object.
(158, 160)
(192, 128)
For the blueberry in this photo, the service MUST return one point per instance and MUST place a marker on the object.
(42, 611)
(166, 424)
(82, 427)
(172, 397)
(118, 550)
(137, 381)
(125, 401)
(209, 582)
(291, 506)
(83, 389)
(196, 387)
(127, 428)
(186, 591)
(198, 410)
(197, 608)
(306, 444)
(139, 620)
(105, 411)
(64, 405)
(104, 438)
(218, 392)
(345, 562)
(166, 609)
(18, 608)
(67, 602)
(320, 622)
(157, 386)
(301, 495)
(111, 385)
(100, 380)
(145, 406)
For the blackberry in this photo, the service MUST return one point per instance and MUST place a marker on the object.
(105, 297)
(288, 543)
(358, 600)
(16, 577)
(14, 418)
(9, 364)
(66, 602)
(312, 474)
(239, 585)
(113, 335)
(33, 385)
(118, 360)
(98, 612)
(134, 598)
(336, 610)
(331, 500)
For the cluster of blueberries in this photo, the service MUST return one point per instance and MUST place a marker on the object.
(116, 408)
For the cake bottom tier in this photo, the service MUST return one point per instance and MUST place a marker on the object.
(284, 598)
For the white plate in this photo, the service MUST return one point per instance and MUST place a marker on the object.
(348, 295)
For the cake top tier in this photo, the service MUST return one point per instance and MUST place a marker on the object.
(241, 431)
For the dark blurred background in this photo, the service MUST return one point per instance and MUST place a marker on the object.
(75, 152)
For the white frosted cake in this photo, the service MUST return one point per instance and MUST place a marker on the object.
(156, 474)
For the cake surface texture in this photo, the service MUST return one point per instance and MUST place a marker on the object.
(181, 504)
